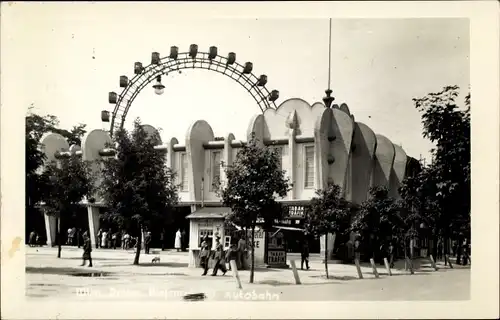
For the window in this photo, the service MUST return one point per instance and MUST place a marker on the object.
(215, 162)
(206, 232)
(227, 242)
(279, 152)
(309, 167)
(184, 171)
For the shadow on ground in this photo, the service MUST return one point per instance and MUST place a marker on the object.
(67, 272)
(94, 259)
(164, 264)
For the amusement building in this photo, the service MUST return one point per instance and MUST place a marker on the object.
(318, 143)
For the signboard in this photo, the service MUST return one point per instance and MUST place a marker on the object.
(259, 245)
(276, 249)
(276, 257)
(296, 211)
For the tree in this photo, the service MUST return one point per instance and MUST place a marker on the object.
(377, 218)
(441, 192)
(136, 185)
(254, 181)
(328, 213)
(35, 127)
(63, 187)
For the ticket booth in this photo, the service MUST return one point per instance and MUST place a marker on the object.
(206, 221)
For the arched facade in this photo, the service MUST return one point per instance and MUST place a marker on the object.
(318, 145)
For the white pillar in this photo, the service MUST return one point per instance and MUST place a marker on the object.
(50, 228)
(94, 223)
(331, 243)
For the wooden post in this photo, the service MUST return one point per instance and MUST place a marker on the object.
(433, 263)
(234, 268)
(410, 265)
(389, 272)
(374, 268)
(358, 268)
(295, 272)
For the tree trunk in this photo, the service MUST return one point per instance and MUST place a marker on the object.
(326, 256)
(58, 237)
(138, 248)
(252, 268)
(405, 250)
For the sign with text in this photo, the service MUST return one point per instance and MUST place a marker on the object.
(296, 211)
(259, 245)
(276, 249)
(276, 257)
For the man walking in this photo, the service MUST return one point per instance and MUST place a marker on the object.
(87, 249)
(440, 249)
(390, 252)
(147, 241)
(204, 256)
(218, 257)
(304, 255)
(241, 252)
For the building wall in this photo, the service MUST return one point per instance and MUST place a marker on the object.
(346, 152)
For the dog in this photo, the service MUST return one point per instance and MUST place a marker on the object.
(156, 259)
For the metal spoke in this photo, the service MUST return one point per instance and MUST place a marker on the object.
(167, 65)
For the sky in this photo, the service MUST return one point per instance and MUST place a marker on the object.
(70, 56)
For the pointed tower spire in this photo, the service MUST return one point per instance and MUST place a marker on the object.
(328, 99)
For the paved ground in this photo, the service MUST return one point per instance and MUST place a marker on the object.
(115, 278)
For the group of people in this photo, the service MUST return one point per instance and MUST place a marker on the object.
(237, 252)
(462, 251)
(34, 239)
(106, 238)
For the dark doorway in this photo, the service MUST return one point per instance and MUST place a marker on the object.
(35, 221)
(176, 221)
(78, 221)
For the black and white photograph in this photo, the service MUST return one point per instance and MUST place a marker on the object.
(186, 159)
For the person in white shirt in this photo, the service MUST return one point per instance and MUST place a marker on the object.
(104, 239)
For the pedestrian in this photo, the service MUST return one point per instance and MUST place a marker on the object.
(183, 240)
(390, 253)
(304, 255)
(38, 240)
(73, 237)
(126, 239)
(219, 258)
(87, 249)
(204, 256)
(231, 254)
(32, 238)
(114, 239)
(162, 239)
(69, 237)
(242, 244)
(178, 238)
(147, 241)
(104, 240)
(440, 249)
(357, 249)
(99, 239)
(465, 253)
(78, 236)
